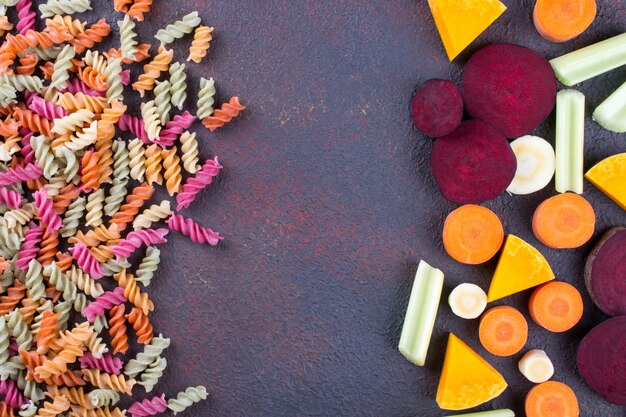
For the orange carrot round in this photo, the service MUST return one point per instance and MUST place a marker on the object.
(556, 306)
(503, 331)
(472, 234)
(564, 221)
(562, 20)
(551, 399)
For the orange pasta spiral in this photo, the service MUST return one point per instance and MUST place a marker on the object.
(139, 7)
(103, 380)
(7, 57)
(47, 330)
(90, 175)
(97, 235)
(133, 293)
(53, 294)
(93, 79)
(32, 360)
(108, 118)
(153, 164)
(8, 127)
(121, 5)
(76, 396)
(28, 63)
(201, 42)
(5, 410)
(5, 25)
(47, 69)
(117, 329)
(152, 71)
(141, 325)
(105, 159)
(142, 53)
(48, 246)
(33, 121)
(73, 346)
(102, 253)
(223, 115)
(72, 102)
(58, 406)
(64, 198)
(51, 36)
(73, 26)
(171, 164)
(28, 309)
(91, 36)
(64, 261)
(13, 296)
(134, 202)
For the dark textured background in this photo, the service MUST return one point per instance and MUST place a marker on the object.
(327, 203)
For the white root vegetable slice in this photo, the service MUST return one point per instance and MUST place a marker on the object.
(536, 366)
(536, 163)
(467, 301)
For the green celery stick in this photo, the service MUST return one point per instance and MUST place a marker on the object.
(590, 61)
(570, 141)
(495, 413)
(421, 313)
(611, 114)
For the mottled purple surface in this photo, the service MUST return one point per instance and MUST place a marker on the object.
(327, 204)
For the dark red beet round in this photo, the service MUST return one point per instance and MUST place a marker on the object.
(601, 359)
(509, 87)
(605, 273)
(473, 164)
(437, 107)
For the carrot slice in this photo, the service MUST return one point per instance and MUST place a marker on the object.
(503, 331)
(562, 20)
(551, 399)
(472, 234)
(556, 306)
(564, 221)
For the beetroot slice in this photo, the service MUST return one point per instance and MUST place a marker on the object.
(509, 87)
(605, 272)
(437, 107)
(473, 164)
(601, 360)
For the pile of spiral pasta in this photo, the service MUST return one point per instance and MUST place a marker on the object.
(74, 205)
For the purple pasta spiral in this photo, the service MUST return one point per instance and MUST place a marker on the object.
(198, 182)
(107, 363)
(26, 16)
(196, 233)
(137, 238)
(46, 211)
(30, 247)
(103, 303)
(125, 75)
(77, 86)
(148, 407)
(20, 173)
(135, 126)
(11, 198)
(46, 109)
(12, 395)
(86, 260)
(173, 129)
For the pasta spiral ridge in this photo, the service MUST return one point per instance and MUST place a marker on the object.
(152, 375)
(84, 282)
(93, 79)
(83, 139)
(178, 81)
(95, 345)
(47, 330)
(162, 99)
(175, 128)
(194, 231)
(178, 29)
(64, 308)
(113, 74)
(142, 54)
(148, 407)
(116, 196)
(121, 160)
(139, 7)
(95, 207)
(189, 149)
(127, 38)
(48, 247)
(33, 121)
(198, 182)
(62, 7)
(151, 352)
(105, 159)
(59, 405)
(106, 363)
(46, 211)
(141, 325)
(121, 5)
(72, 217)
(152, 71)
(206, 98)
(61, 75)
(19, 330)
(133, 125)
(153, 214)
(20, 174)
(172, 174)
(64, 260)
(151, 120)
(103, 303)
(117, 329)
(62, 283)
(68, 158)
(72, 122)
(19, 215)
(46, 109)
(154, 160)
(11, 369)
(117, 383)
(12, 395)
(30, 247)
(202, 38)
(28, 309)
(76, 396)
(34, 280)
(137, 238)
(44, 156)
(103, 397)
(73, 26)
(223, 115)
(134, 201)
(26, 16)
(28, 64)
(133, 293)
(187, 398)
(92, 35)
(86, 261)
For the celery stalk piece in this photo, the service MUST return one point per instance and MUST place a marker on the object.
(495, 413)
(570, 141)
(421, 313)
(611, 114)
(590, 61)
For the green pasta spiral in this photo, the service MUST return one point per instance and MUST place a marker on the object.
(62, 7)
(68, 162)
(127, 38)
(206, 98)
(178, 81)
(103, 397)
(61, 282)
(22, 82)
(178, 29)
(44, 156)
(84, 282)
(116, 196)
(19, 330)
(121, 159)
(11, 368)
(4, 340)
(148, 265)
(187, 398)
(34, 280)
(114, 79)
(144, 359)
(61, 74)
(153, 373)
(65, 309)
(72, 217)
(162, 98)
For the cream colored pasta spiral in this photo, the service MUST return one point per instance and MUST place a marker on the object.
(162, 98)
(137, 163)
(189, 149)
(178, 81)
(95, 206)
(127, 38)
(178, 29)
(152, 214)
(44, 156)
(71, 122)
(63, 7)
(19, 330)
(187, 398)
(83, 139)
(67, 161)
(114, 79)
(84, 282)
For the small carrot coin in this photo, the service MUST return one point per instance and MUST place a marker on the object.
(503, 331)
(472, 234)
(564, 221)
(562, 20)
(551, 399)
(556, 306)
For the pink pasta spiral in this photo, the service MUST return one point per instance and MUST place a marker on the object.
(12, 395)
(196, 233)
(27, 151)
(30, 171)
(107, 363)
(26, 16)
(148, 407)
(77, 86)
(198, 182)
(30, 247)
(103, 303)
(45, 108)
(11, 198)
(46, 211)
(133, 125)
(174, 128)
(125, 76)
(137, 238)
(86, 260)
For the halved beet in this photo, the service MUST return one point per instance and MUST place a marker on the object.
(437, 107)
(601, 359)
(473, 164)
(509, 87)
(605, 272)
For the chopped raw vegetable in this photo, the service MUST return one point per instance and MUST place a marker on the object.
(494, 413)
(503, 331)
(562, 20)
(564, 221)
(536, 366)
(611, 113)
(556, 306)
(605, 273)
(472, 234)
(610, 176)
(520, 267)
(467, 380)
(551, 399)
(460, 22)
(437, 108)
(601, 360)
(590, 61)
(467, 301)
(570, 141)
(535, 164)
(421, 313)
